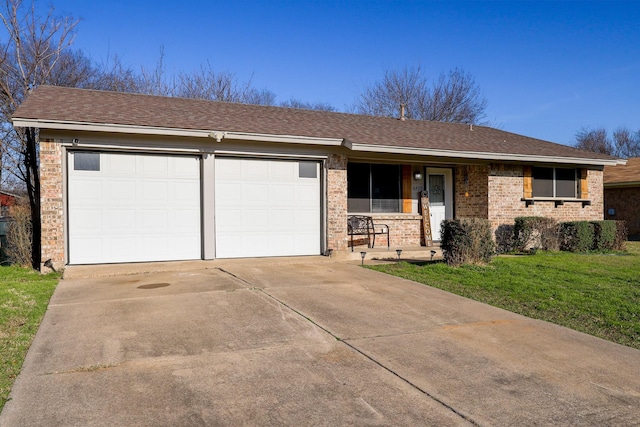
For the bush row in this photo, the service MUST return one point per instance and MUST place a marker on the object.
(469, 240)
(534, 232)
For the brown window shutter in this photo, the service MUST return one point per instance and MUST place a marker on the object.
(584, 187)
(528, 183)
(406, 189)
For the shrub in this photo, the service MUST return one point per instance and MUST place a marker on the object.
(505, 241)
(19, 235)
(576, 236)
(622, 233)
(536, 232)
(604, 235)
(466, 241)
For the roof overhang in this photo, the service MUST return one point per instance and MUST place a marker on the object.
(165, 131)
(622, 184)
(481, 155)
(218, 135)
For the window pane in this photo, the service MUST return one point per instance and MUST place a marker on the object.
(436, 190)
(565, 182)
(308, 169)
(385, 188)
(358, 187)
(86, 161)
(542, 182)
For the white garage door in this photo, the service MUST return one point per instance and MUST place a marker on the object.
(133, 208)
(267, 207)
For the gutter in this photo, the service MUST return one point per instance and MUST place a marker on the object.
(165, 131)
(481, 155)
(294, 139)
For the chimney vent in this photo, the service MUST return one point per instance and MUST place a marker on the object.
(402, 116)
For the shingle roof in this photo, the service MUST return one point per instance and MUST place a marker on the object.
(60, 104)
(627, 174)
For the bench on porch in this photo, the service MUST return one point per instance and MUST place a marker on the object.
(361, 225)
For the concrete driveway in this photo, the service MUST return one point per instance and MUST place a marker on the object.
(307, 342)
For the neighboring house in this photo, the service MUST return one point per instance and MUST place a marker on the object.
(622, 194)
(131, 178)
(6, 200)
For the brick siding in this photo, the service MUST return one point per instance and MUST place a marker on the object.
(337, 202)
(495, 192)
(626, 202)
(51, 202)
(506, 184)
(471, 192)
(404, 230)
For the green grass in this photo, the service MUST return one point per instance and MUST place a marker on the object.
(24, 296)
(598, 294)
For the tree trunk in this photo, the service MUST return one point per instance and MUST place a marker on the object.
(33, 188)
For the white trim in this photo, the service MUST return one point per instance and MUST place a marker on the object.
(478, 155)
(105, 127)
(293, 139)
(134, 148)
(152, 130)
(270, 155)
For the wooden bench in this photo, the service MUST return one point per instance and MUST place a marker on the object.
(360, 225)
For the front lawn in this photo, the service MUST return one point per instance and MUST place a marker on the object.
(24, 296)
(598, 294)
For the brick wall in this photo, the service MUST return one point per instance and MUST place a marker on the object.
(471, 192)
(404, 230)
(337, 202)
(626, 202)
(505, 188)
(51, 205)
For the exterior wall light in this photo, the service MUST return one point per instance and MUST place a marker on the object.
(417, 175)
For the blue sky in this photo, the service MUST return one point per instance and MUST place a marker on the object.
(546, 68)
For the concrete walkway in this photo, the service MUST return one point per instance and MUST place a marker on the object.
(307, 342)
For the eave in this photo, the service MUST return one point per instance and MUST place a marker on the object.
(528, 158)
(296, 139)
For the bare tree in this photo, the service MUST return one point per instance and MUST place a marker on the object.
(30, 56)
(595, 140)
(623, 144)
(453, 97)
(627, 143)
(302, 105)
(213, 85)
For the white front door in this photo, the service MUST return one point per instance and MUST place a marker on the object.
(440, 190)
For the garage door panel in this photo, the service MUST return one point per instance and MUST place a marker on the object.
(118, 166)
(281, 220)
(153, 192)
(157, 166)
(120, 221)
(282, 193)
(87, 221)
(138, 212)
(257, 204)
(183, 192)
(185, 167)
(118, 189)
(255, 220)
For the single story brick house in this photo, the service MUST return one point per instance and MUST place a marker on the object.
(622, 195)
(137, 178)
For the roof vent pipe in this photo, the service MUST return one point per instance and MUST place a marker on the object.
(471, 127)
(402, 116)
